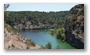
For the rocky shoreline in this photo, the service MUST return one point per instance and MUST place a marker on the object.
(32, 27)
(16, 41)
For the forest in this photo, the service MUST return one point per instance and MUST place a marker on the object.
(22, 20)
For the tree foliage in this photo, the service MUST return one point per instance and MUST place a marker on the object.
(48, 45)
(46, 19)
(59, 32)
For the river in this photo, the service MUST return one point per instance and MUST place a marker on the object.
(43, 37)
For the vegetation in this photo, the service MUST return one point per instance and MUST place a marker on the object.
(59, 33)
(32, 43)
(6, 6)
(74, 26)
(34, 19)
(9, 28)
(29, 42)
(48, 45)
(65, 25)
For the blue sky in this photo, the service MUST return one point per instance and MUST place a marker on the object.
(40, 7)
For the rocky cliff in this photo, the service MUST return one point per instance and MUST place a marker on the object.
(13, 40)
(74, 26)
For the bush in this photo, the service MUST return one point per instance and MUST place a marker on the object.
(60, 33)
(52, 31)
(29, 42)
(48, 46)
(32, 43)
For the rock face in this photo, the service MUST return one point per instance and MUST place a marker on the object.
(31, 27)
(14, 40)
(75, 26)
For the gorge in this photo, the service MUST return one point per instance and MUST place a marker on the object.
(64, 29)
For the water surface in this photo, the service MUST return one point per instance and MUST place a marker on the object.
(43, 37)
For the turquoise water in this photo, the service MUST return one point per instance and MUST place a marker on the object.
(43, 37)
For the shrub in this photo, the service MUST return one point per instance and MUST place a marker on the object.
(29, 42)
(48, 45)
(32, 43)
(52, 31)
(60, 33)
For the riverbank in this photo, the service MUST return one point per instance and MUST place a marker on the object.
(13, 40)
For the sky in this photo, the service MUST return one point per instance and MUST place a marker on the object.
(40, 7)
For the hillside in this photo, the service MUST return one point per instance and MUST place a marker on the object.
(74, 26)
(73, 30)
(27, 20)
(13, 40)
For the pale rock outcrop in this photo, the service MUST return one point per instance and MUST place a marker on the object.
(16, 41)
